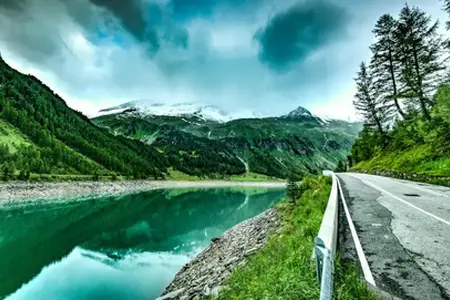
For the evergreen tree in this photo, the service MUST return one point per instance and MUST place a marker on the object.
(6, 172)
(447, 9)
(368, 101)
(340, 167)
(419, 48)
(293, 188)
(385, 62)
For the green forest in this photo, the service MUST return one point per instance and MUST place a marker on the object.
(403, 94)
(40, 134)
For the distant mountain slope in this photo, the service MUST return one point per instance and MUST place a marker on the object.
(298, 142)
(186, 152)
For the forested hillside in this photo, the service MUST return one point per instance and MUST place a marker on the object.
(41, 134)
(404, 96)
(271, 146)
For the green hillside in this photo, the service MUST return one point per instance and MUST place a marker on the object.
(416, 146)
(11, 137)
(41, 134)
(271, 146)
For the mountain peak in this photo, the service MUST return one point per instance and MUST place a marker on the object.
(299, 112)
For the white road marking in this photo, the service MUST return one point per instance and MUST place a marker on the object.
(403, 201)
(359, 250)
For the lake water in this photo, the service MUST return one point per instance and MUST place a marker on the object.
(115, 247)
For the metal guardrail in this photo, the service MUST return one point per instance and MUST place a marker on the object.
(325, 242)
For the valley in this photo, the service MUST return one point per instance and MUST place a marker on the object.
(41, 138)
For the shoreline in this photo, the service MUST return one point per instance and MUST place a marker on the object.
(24, 191)
(206, 274)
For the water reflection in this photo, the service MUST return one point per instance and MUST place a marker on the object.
(126, 247)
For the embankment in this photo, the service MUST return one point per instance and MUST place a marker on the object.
(205, 275)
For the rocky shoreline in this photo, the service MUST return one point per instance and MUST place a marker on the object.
(16, 191)
(205, 275)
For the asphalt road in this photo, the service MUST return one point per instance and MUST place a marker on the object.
(404, 229)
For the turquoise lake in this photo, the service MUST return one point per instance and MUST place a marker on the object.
(115, 247)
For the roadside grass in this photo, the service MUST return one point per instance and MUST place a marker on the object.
(348, 284)
(283, 268)
(419, 160)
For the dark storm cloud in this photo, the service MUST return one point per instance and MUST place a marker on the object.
(145, 22)
(25, 34)
(17, 5)
(292, 35)
(131, 15)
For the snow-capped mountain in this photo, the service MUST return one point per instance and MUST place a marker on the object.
(299, 112)
(206, 112)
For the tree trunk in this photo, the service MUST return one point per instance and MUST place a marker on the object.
(422, 98)
(394, 84)
(423, 106)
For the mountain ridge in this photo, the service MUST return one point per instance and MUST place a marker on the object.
(274, 146)
(204, 111)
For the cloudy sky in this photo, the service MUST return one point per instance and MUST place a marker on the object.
(268, 56)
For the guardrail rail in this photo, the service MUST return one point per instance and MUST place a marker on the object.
(326, 241)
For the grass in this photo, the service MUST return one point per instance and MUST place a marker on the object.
(283, 268)
(178, 175)
(253, 177)
(11, 137)
(174, 175)
(418, 160)
(250, 177)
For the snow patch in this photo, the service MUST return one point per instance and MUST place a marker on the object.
(202, 111)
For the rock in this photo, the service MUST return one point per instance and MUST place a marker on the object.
(214, 265)
(251, 251)
(206, 291)
(216, 290)
(171, 295)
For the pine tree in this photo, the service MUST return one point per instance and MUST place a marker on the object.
(293, 188)
(447, 9)
(368, 101)
(340, 167)
(419, 48)
(385, 62)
